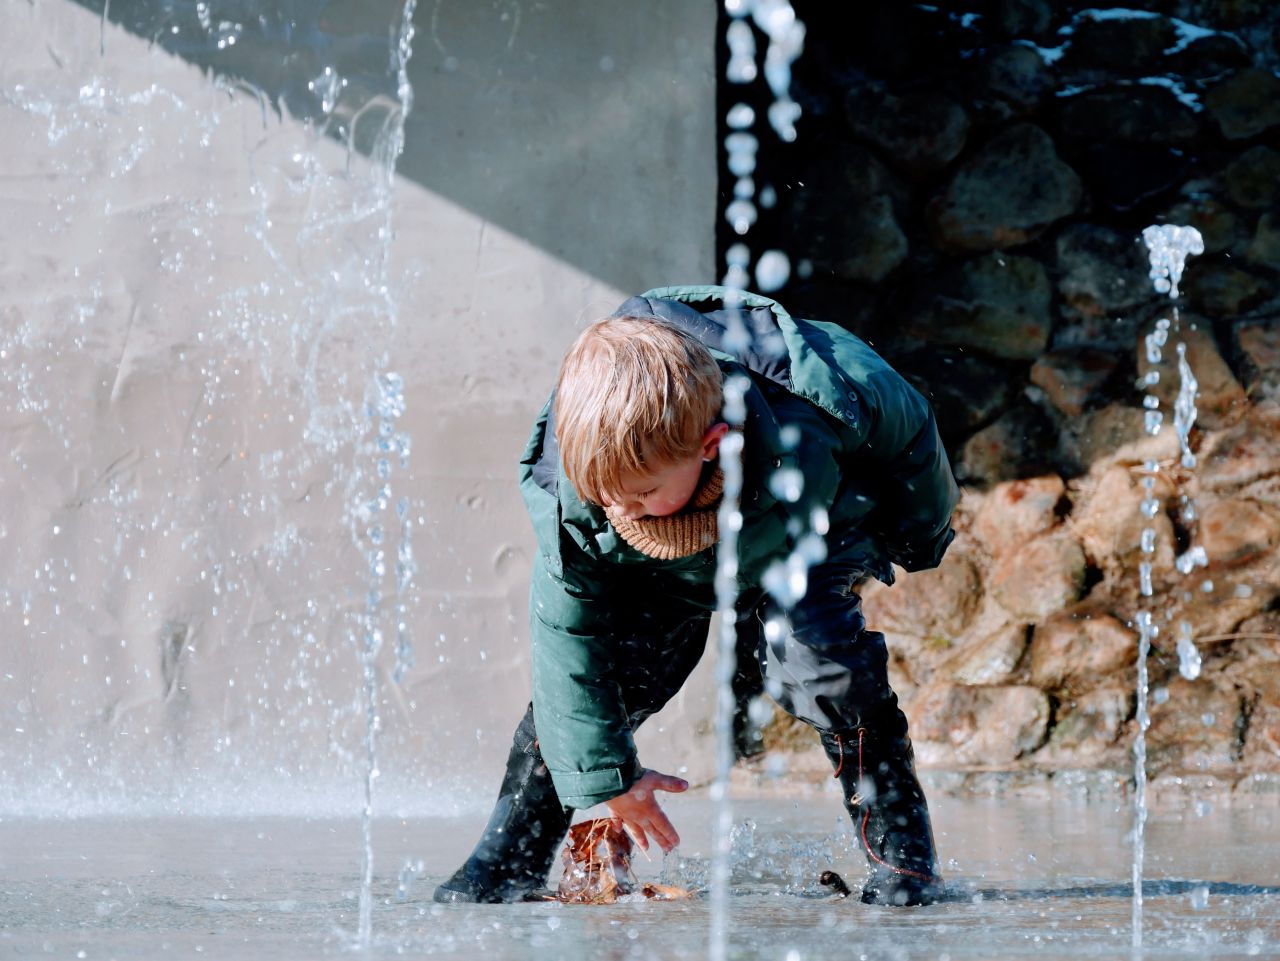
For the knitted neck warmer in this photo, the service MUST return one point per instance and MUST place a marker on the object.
(676, 535)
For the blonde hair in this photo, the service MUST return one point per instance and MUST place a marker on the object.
(634, 395)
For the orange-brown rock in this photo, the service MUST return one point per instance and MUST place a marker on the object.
(1016, 511)
(1079, 648)
(1220, 399)
(986, 726)
(1109, 521)
(936, 604)
(1237, 530)
(1043, 576)
(1196, 727)
(1089, 728)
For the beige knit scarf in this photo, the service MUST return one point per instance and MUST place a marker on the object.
(676, 535)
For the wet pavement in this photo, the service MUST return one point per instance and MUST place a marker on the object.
(1027, 877)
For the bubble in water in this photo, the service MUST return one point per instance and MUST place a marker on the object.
(228, 34)
(1200, 898)
(772, 270)
(1148, 540)
(327, 87)
(1144, 578)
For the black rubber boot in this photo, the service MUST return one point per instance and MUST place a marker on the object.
(875, 765)
(519, 844)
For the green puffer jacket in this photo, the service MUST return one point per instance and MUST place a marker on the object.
(822, 403)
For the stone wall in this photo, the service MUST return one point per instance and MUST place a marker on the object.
(967, 191)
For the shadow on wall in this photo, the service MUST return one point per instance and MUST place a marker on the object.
(585, 128)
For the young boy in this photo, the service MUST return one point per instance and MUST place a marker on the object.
(620, 478)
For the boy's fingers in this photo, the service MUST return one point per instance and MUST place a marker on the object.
(637, 834)
(665, 782)
(664, 832)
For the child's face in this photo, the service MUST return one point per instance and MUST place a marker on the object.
(657, 494)
(666, 490)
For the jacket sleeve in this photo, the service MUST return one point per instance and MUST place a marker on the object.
(917, 489)
(583, 731)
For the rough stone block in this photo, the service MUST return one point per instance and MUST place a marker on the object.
(1014, 445)
(1196, 728)
(1220, 399)
(1242, 454)
(1258, 344)
(1138, 114)
(997, 303)
(988, 658)
(919, 132)
(1018, 77)
(843, 217)
(1236, 531)
(988, 725)
(1079, 648)
(1109, 521)
(1088, 729)
(938, 604)
(1125, 44)
(1253, 178)
(1016, 511)
(1043, 576)
(1264, 249)
(1101, 270)
(1221, 290)
(1115, 434)
(1014, 187)
(1246, 104)
(1073, 379)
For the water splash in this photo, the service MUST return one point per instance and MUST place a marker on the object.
(777, 19)
(1147, 632)
(385, 405)
(1169, 246)
(726, 588)
(1188, 653)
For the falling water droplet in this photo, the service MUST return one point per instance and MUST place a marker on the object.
(772, 270)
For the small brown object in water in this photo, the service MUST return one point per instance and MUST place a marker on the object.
(597, 867)
(836, 883)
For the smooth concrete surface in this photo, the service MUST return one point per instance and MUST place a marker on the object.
(197, 292)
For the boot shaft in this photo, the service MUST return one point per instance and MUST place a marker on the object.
(876, 769)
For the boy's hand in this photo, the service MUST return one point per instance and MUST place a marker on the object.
(639, 812)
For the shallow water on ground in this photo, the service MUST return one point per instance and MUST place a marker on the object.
(1028, 878)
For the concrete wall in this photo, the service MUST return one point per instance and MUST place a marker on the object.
(196, 292)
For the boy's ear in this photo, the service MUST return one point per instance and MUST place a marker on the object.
(711, 440)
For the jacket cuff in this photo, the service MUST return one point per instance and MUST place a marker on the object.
(584, 789)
